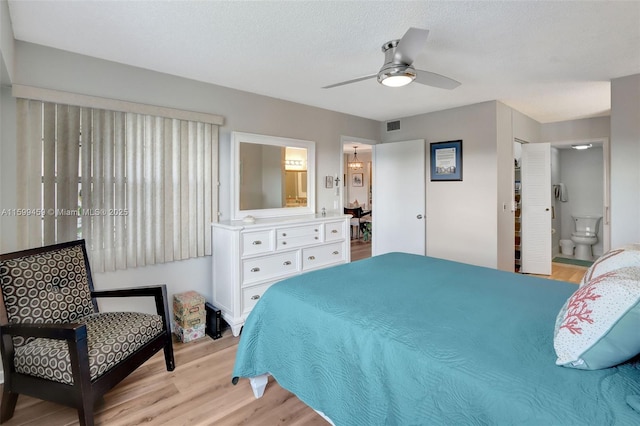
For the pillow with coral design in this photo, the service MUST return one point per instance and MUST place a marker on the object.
(598, 326)
(628, 255)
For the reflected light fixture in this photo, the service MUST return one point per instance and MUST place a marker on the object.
(582, 146)
(296, 163)
(355, 164)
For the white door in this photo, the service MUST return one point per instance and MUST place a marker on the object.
(399, 190)
(536, 208)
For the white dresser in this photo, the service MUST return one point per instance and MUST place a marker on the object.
(249, 257)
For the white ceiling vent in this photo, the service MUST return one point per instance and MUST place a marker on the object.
(393, 126)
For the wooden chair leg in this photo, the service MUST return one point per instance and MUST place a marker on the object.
(9, 400)
(84, 396)
(168, 356)
(85, 414)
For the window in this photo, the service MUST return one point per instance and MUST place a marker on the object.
(140, 188)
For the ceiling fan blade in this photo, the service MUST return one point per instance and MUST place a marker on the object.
(355, 80)
(410, 45)
(435, 80)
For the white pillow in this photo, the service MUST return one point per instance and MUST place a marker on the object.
(628, 255)
(598, 326)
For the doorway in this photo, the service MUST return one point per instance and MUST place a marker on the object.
(357, 194)
(583, 174)
(579, 187)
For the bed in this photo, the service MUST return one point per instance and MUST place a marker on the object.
(400, 339)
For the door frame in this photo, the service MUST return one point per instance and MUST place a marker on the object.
(344, 140)
(341, 185)
(606, 195)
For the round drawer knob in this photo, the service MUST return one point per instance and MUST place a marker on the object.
(336, 252)
(284, 234)
(312, 258)
(287, 263)
(256, 269)
(334, 231)
(255, 297)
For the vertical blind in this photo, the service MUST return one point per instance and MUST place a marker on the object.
(140, 189)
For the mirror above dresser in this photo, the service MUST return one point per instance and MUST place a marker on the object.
(271, 176)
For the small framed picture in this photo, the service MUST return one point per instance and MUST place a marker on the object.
(446, 161)
(356, 179)
(328, 181)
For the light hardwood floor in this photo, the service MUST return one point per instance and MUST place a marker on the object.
(360, 249)
(198, 392)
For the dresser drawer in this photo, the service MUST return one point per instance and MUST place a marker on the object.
(297, 236)
(292, 242)
(334, 231)
(269, 267)
(251, 295)
(298, 231)
(315, 257)
(257, 242)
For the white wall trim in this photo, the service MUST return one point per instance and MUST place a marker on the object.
(68, 98)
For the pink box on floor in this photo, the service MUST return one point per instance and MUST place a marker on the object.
(186, 335)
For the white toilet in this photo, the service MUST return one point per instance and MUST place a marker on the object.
(585, 235)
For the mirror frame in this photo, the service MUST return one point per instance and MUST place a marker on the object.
(240, 137)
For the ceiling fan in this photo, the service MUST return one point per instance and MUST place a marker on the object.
(398, 70)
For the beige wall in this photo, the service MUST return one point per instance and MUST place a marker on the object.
(583, 129)
(6, 41)
(625, 160)
(505, 177)
(461, 216)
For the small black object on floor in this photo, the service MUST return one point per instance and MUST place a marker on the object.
(215, 324)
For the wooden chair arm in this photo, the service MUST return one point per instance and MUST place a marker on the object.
(68, 331)
(74, 334)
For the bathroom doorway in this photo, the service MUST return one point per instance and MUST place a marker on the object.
(579, 186)
(580, 178)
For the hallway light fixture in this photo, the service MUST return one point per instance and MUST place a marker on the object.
(582, 146)
(355, 164)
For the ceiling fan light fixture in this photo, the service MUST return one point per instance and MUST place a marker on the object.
(397, 76)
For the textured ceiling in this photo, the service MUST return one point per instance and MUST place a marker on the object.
(552, 61)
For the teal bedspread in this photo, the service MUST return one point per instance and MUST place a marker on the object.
(400, 339)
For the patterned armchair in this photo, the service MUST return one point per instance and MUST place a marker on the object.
(55, 344)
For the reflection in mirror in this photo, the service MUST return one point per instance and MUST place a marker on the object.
(272, 176)
(296, 188)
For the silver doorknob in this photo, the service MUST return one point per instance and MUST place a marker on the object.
(419, 216)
